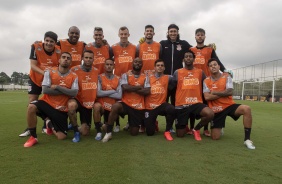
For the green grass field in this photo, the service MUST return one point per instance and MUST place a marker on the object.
(141, 159)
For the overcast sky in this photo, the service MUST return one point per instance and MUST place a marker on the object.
(245, 32)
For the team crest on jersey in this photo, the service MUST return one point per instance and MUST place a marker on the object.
(39, 49)
(58, 51)
(178, 47)
(49, 61)
(149, 49)
(124, 52)
(190, 74)
(98, 53)
(198, 53)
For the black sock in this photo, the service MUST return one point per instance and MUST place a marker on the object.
(117, 122)
(109, 128)
(33, 132)
(98, 126)
(247, 133)
(75, 128)
(206, 127)
(50, 125)
(198, 126)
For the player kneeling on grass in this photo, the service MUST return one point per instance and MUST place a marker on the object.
(59, 84)
(155, 102)
(109, 91)
(135, 86)
(218, 90)
(84, 101)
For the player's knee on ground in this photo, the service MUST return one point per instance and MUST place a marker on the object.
(84, 129)
(180, 130)
(134, 130)
(150, 130)
(61, 135)
(215, 133)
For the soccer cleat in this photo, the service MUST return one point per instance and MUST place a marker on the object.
(126, 127)
(25, 133)
(76, 137)
(207, 133)
(222, 132)
(44, 130)
(107, 137)
(249, 144)
(167, 135)
(141, 129)
(197, 135)
(98, 136)
(30, 142)
(190, 132)
(49, 131)
(172, 131)
(116, 129)
(157, 126)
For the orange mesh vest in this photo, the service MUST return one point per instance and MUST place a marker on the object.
(123, 58)
(133, 99)
(87, 82)
(189, 87)
(76, 51)
(108, 84)
(158, 92)
(44, 62)
(220, 104)
(59, 102)
(100, 56)
(202, 57)
(149, 53)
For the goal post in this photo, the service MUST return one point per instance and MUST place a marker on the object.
(259, 88)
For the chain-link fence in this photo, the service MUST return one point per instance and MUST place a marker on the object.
(259, 82)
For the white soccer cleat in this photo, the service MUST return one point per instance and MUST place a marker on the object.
(25, 133)
(107, 137)
(98, 136)
(249, 144)
(116, 129)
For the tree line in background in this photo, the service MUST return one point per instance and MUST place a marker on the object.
(17, 78)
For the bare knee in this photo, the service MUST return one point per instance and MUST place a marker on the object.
(31, 108)
(84, 130)
(215, 133)
(61, 136)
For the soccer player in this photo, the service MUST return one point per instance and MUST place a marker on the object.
(218, 90)
(124, 52)
(135, 85)
(109, 91)
(42, 57)
(155, 102)
(73, 45)
(149, 51)
(203, 54)
(84, 101)
(173, 50)
(188, 81)
(59, 84)
(101, 50)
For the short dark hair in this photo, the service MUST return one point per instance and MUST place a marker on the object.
(200, 30)
(87, 51)
(52, 35)
(66, 53)
(190, 51)
(149, 26)
(212, 59)
(159, 60)
(110, 60)
(98, 29)
(123, 28)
